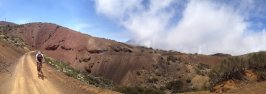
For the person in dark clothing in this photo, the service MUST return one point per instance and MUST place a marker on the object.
(40, 59)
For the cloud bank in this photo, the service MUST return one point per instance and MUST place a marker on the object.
(194, 26)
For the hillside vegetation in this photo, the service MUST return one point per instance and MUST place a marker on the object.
(84, 77)
(234, 68)
(133, 69)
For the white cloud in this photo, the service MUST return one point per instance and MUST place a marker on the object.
(116, 8)
(205, 26)
(213, 28)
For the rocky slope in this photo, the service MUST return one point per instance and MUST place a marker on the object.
(16, 65)
(121, 63)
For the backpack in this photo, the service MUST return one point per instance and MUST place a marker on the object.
(39, 57)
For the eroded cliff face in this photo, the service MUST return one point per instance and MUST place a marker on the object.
(123, 64)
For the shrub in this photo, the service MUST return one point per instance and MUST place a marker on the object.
(172, 58)
(152, 80)
(84, 77)
(233, 67)
(262, 73)
(257, 62)
(138, 73)
(138, 90)
(174, 86)
(202, 66)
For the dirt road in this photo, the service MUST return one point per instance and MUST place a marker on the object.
(24, 80)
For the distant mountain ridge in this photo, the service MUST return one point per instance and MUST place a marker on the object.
(3, 23)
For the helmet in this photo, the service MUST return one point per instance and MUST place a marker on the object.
(38, 52)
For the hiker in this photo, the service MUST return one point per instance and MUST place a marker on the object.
(40, 60)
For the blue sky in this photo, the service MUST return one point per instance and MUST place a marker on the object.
(192, 26)
(75, 14)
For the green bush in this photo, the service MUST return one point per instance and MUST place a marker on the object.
(202, 69)
(175, 86)
(84, 77)
(233, 67)
(262, 73)
(172, 58)
(257, 62)
(138, 90)
(202, 66)
(152, 80)
(13, 40)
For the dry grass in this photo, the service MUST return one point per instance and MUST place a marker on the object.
(200, 82)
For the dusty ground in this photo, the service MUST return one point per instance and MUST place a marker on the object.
(24, 80)
(253, 88)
